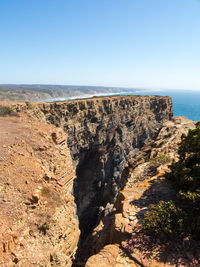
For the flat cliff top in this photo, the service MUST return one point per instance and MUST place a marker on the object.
(86, 99)
(110, 98)
(115, 97)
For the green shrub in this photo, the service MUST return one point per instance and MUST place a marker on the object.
(185, 177)
(44, 227)
(184, 218)
(7, 111)
(161, 159)
(185, 174)
(165, 218)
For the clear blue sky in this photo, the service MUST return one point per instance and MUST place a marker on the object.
(127, 43)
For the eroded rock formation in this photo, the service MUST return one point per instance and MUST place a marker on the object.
(103, 133)
(145, 186)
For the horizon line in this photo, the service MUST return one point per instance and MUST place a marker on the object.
(104, 86)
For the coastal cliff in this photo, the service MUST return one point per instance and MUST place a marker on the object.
(80, 171)
(119, 239)
(103, 133)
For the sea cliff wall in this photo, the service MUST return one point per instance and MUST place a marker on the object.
(103, 133)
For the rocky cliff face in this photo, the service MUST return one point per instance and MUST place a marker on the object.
(117, 240)
(103, 133)
(44, 171)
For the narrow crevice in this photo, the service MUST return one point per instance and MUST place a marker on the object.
(86, 249)
(100, 177)
(87, 192)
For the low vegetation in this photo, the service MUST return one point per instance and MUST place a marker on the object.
(165, 217)
(7, 111)
(160, 159)
(181, 218)
(44, 227)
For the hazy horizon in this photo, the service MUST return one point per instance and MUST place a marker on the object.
(99, 86)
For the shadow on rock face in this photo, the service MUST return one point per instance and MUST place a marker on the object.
(97, 183)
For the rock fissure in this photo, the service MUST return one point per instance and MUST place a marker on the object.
(103, 134)
(117, 238)
(55, 182)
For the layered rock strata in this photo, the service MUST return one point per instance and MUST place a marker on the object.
(38, 222)
(117, 241)
(103, 133)
(41, 166)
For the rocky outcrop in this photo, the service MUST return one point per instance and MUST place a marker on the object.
(38, 222)
(103, 133)
(75, 159)
(117, 239)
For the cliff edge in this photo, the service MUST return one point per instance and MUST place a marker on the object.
(102, 135)
(119, 239)
(59, 156)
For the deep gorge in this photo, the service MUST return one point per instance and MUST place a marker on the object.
(72, 159)
(103, 133)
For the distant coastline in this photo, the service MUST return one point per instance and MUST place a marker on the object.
(185, 102)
